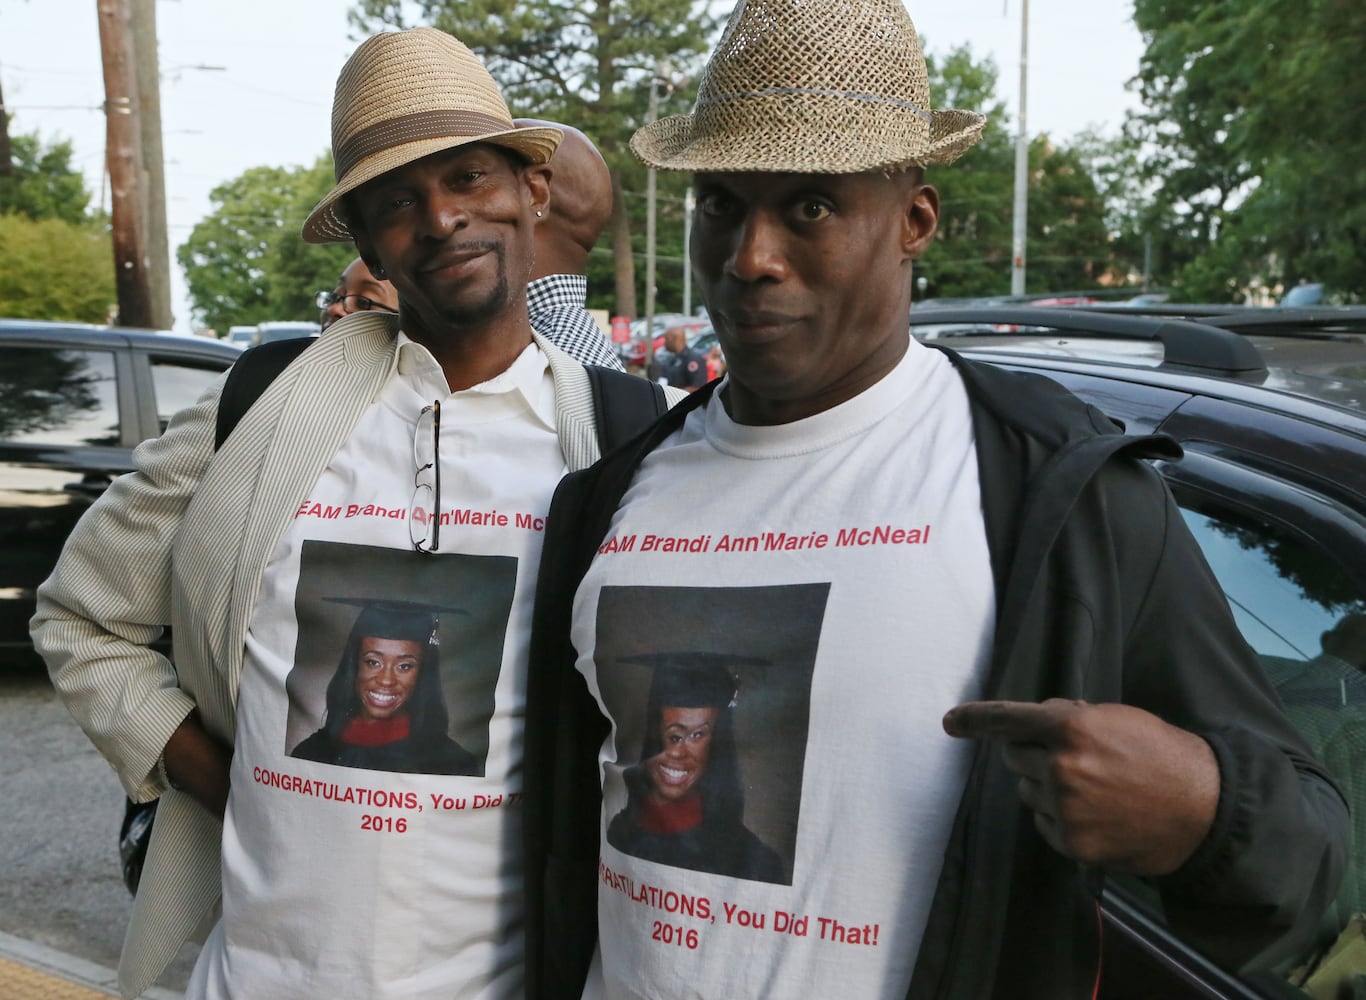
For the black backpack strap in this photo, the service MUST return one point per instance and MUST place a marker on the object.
(248, 378)
(623, 405)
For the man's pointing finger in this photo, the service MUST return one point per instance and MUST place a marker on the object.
(1012, 721)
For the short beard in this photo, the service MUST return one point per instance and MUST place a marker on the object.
(494, 303)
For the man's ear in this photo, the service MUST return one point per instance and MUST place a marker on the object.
(537, 176)
(920, 221)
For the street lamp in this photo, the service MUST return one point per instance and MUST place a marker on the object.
(689, 203)
(655, 79)
(1017, 263)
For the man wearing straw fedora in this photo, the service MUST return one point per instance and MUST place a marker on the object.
(1026, 677)
(312, 879)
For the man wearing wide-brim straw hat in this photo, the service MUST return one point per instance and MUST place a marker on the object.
(314, 879)
(1026, 676)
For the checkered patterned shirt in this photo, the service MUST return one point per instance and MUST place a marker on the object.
(557, 306)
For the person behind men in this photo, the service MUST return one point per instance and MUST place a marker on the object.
(580, 206)
(357, 291)
(686, 369)
(1026, 676)
(441, 194)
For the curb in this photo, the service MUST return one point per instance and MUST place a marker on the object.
(50, 962)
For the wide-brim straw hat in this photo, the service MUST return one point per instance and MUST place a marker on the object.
(404, 95)
(812, 86)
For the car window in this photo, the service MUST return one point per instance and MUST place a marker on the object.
(1284, 594)
(177, 384)
(58, 397)
(1301, 612)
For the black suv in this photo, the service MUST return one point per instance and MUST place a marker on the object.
(74, 401)
(1270, 407)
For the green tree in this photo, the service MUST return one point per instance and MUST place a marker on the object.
(1259, 143)
(970, 255)
(588, 63)
(1069, 248)
(1130, 215)
(55, 269)
(246, 263)
(1068, 243)
(43, 184)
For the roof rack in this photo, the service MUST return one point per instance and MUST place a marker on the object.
(1200, 310)
(1185, 343)
(1319, 322)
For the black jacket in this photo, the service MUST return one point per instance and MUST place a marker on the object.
(1101, 594)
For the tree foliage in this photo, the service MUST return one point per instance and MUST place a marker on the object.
(56, 261)
(588, 63)
(1068, 244)
(43, 184)
(246, 263)
(1258, 142)
(54, 269)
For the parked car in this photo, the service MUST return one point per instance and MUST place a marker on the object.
(74, 401)
(242, 336)
(1270, 407)
(284, 330)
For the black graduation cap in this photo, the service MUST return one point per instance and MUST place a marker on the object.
(695, 678)
(410, 621)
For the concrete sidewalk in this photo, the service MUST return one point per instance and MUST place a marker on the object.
(30, 971)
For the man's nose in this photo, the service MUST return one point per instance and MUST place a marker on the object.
(443, 214)
(760, 250)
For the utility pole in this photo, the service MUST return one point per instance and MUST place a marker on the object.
(650, 235)
(157, 248)
(123, 156)
(1017, 264)
(689, 205)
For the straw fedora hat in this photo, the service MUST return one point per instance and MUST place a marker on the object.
(404, 95)
(812, 86)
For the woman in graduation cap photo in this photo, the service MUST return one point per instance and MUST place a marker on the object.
(385, 710)
(685, 799)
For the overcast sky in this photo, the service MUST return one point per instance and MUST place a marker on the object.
(269, 100)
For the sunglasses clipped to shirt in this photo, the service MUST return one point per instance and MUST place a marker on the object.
(424, 510)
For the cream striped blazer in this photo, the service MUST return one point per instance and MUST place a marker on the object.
(185, 540)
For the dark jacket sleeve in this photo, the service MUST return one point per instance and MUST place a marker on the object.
(1255, 890)
(565, 730)
(562, 795)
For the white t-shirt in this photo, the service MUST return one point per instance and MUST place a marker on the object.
(776, 623)
(373, 866)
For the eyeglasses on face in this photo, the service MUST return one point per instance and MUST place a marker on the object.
(424, 511)
(351, 303)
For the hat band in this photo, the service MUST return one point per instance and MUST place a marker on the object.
(411, 128)
(814, 92)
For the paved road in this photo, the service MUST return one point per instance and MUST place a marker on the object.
(59, 816)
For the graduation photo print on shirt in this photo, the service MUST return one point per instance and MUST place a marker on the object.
(397, 658)
(711, 701)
